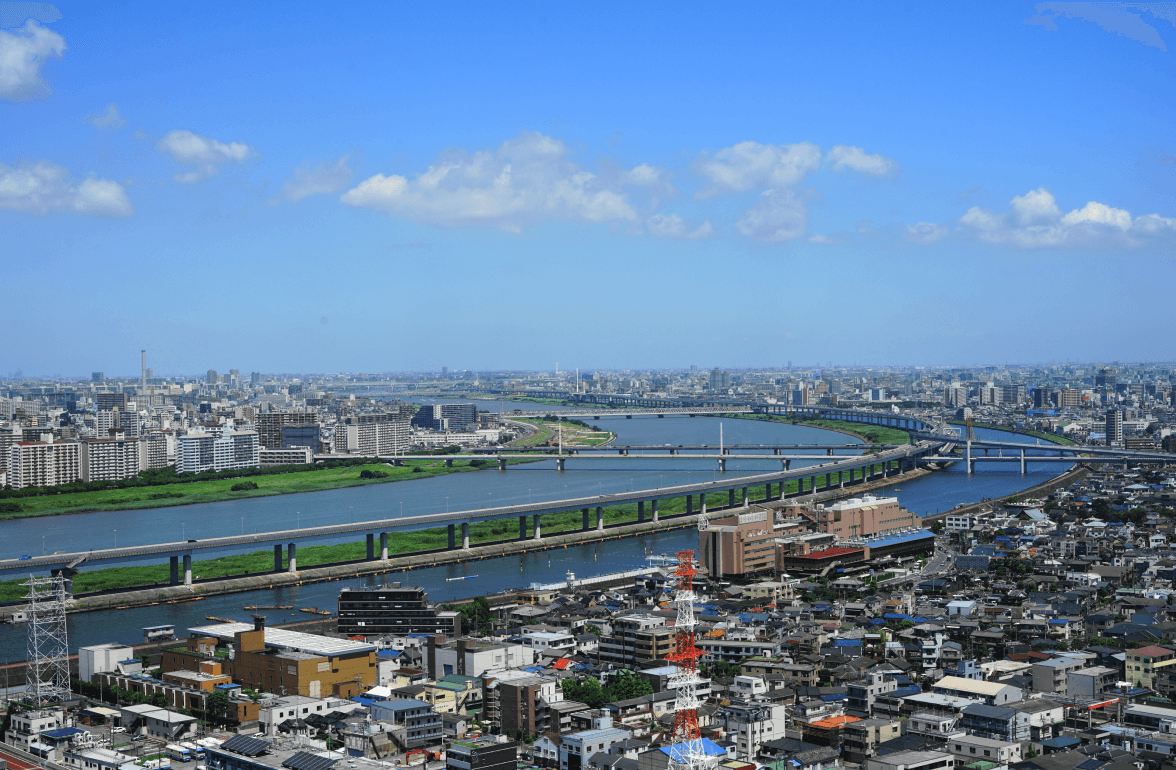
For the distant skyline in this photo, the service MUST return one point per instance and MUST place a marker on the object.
(401, 188)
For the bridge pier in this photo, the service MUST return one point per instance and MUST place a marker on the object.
(277, 557)
(559, 464)
(397, 463)
(449, 462)
(292, 558)
(599, 519)
(501, 463)
(538, 529)
(730, 498)
(1024, 466)
(370, 541)
(175, 570)
(654, 505)
(689, 504)
(722, 465)
(702, 503)
(776, 451)
(640, 511)
(383, 546)
(829, 452)
(968, 456)
(465, 536)
(785, 464)
(187, 569)
(522, 528)
(452, 530)
(585, 526)
(746, 497)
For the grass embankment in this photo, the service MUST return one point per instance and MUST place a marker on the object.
(547, 433)
(398, 543)
(165, 495)
(874, 434)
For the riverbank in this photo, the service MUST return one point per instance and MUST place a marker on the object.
(1051, 437)
(871, 434)
(220, 490)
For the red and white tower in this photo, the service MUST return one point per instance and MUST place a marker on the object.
(686, 736)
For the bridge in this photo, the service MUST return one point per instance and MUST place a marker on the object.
(836, 472)
(604, 414)
(676, 448)
(1066, 453)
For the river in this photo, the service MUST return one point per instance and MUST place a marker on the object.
(532, 482)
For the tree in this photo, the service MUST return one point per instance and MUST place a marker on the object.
(624, 685)
(220, 709)
(588, 692)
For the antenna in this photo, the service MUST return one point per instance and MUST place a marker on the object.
(48, 644)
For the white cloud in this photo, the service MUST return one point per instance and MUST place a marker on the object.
(844, 156)
(645, 175)
(524, 181)
(673, 226)
(779, 215)
(925, 232)
(42, 187)
(826, 240)
(323, 179)
(108, 119)
(189, 149)
(748, 165)
(1036, 222)
(22, 53)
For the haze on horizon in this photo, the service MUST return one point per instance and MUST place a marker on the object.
(398, 188)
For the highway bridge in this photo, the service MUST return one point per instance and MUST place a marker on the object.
(836, 472)
(676, 448)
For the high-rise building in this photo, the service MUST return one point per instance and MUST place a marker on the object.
(454, 417)
(211, 377)
(1114, 427)
(197, 452)
(386, 437)
(255, 378)
(269, 425)
(110, 459)
(1069, 398)
(44, 463)
(104, 402)
(96, 377)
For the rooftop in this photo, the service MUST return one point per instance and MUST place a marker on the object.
(289, 641)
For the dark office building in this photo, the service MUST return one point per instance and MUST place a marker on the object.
(269, 426)
(301, 435)
(485, 753)
(394, 610)
(105, 402)
(454, 417)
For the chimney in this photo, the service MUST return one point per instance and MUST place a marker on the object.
(259, 622)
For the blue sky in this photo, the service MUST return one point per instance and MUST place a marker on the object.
(292, 187)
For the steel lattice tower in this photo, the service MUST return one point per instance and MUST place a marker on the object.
(47, 670)
(687, 735)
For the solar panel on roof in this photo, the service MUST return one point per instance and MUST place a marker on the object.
(304, 760)
(245, 745)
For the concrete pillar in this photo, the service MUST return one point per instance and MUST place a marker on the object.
(841, 479)
(465, 536)
(730, 498)
(785, 464)
(702, 503)
(522, 528)
(559, 464)
(175, 569)
(584, 516)
(654, 504)
(501, 463)
(538, 530)
(640, 511)
(746, 498)
(371, 547)
(383, 546)
(968, 456)
(292, 557)
(187, 569)
(722, 465)
(599, 519)
(1024, 466)
(448, 462)
(689, 504)
(776, 451)
(278, 557)
(452, 529)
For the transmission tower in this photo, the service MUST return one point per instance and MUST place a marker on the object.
(47, 671)
(686, 736)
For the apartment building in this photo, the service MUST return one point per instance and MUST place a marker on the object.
(206, 451)
(44, 463)
(269, 426)
(1049, 676)
(394, 610)
(636, 639)
(110, 459)
(1145, 667)
(297, 455)
(386, 437)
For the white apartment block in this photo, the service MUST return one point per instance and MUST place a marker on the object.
(44, 463)
(110, 459)
(297, 455)
(372, 438)
(157, 450)
(197, 452)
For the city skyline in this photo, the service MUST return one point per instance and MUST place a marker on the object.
(630, 187)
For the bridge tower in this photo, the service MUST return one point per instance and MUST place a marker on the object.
(686, 736)
(47, 672)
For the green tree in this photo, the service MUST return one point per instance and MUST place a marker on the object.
(624, 685)
(588, 692)
(220, 709)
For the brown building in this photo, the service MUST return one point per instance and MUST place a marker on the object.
(739, 545)
(863, 517)
(276, 660)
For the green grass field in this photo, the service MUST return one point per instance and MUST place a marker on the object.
(219, 490)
